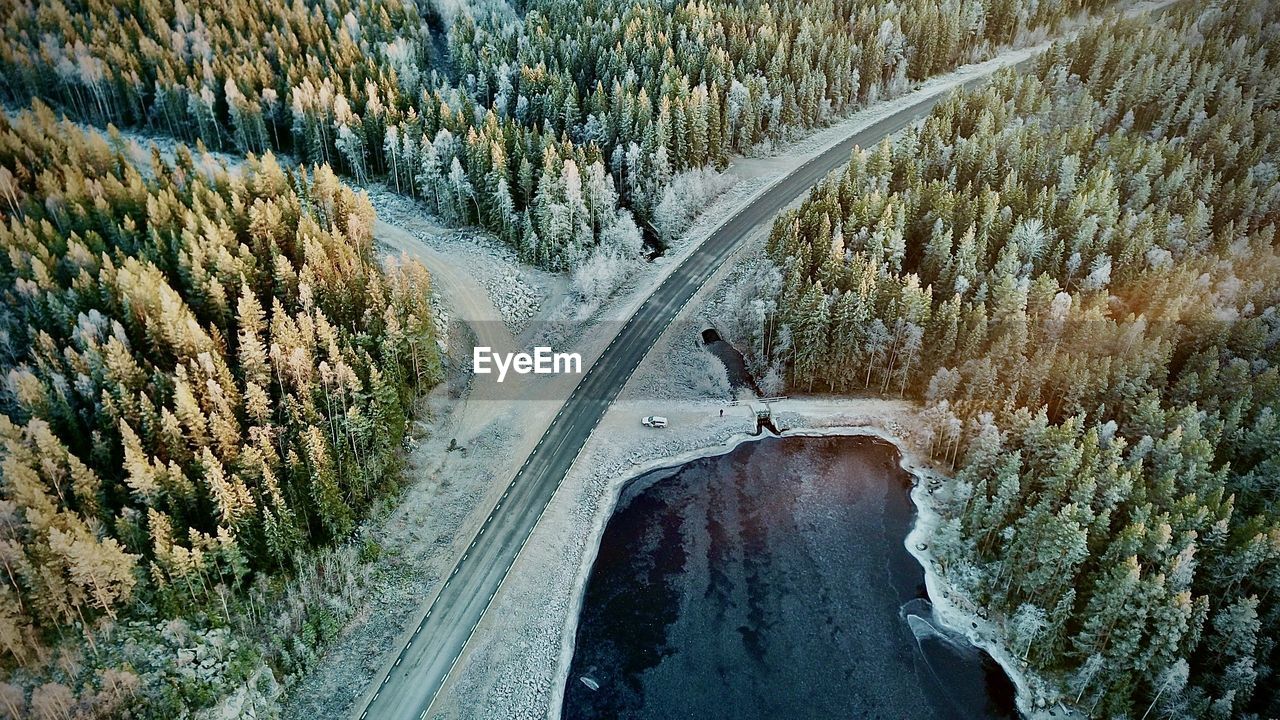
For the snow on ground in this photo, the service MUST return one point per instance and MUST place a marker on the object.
(788, 155)
(518, 291)
(515, 664)
(508, 670)
(571, 318)
(420, 533)
(512, 666)
(1037, 699)
(686, 370)
(515, 668)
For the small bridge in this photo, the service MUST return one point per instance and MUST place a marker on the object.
(764, 416)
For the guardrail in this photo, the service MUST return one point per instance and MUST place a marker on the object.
(766, 401)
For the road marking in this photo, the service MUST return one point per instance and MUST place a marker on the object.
(694, 263)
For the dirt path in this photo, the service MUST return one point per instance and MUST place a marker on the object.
(468, 303)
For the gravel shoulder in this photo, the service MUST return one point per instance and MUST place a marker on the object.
(517, 667)
(512, 666)
(515, 663)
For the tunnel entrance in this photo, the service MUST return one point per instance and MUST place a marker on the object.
(709, 336)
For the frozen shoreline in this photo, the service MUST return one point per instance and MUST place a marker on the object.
(949, 613)
(626, 482)
(516, 660)
(946, 612)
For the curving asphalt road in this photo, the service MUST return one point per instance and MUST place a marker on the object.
(425, 662)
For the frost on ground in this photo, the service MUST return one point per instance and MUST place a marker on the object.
(716, 197)
(713, 197)
(518, 291)
(511, 668)
(679, 367)
(517, 666)
(416, 542)
(952, 608)
(518, 671)
(509, 674)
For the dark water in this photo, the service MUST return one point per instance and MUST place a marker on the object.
(734, 364)
(771, 582)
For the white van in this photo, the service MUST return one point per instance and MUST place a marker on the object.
(654, 421)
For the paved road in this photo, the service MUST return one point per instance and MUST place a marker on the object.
(422, 666)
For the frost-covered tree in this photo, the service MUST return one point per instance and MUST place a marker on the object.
(1073, 247)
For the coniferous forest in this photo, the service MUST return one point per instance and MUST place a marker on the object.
(559, 125)
(1076, 270)
(205, 374)
(208, 373)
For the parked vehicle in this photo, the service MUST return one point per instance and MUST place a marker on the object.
(654, 421)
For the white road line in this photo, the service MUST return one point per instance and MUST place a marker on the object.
(709, 270)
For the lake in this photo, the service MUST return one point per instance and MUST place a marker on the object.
(771, 582)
